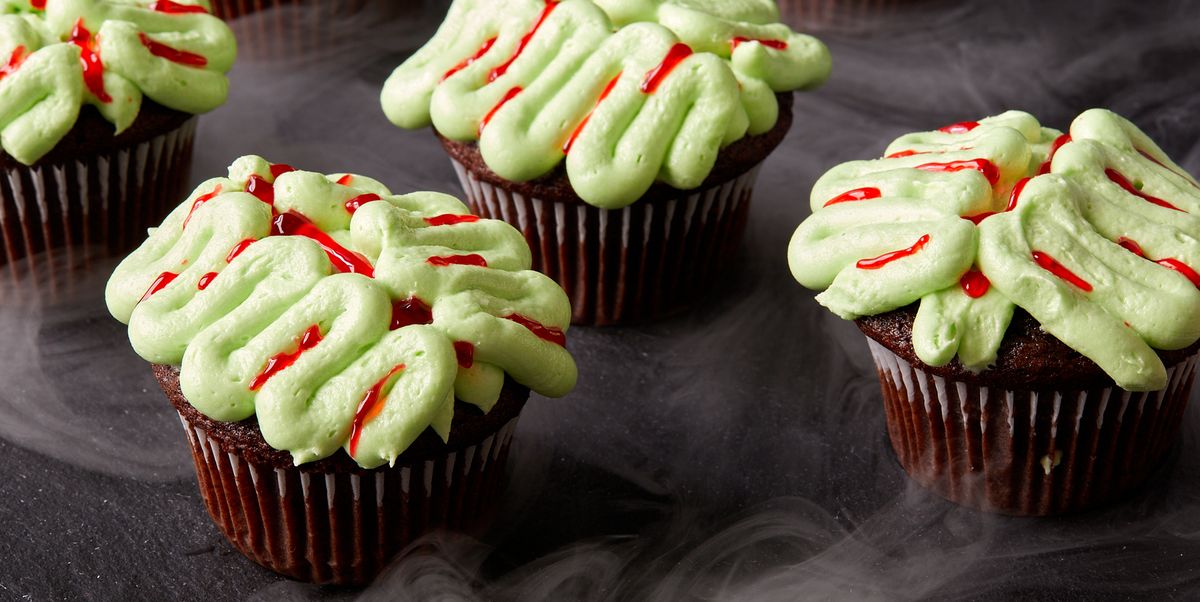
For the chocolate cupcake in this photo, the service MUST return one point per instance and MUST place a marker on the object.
(98, 102)
(348, 364)
(1029, 301)
(623, 139)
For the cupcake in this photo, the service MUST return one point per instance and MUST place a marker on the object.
(621, 138)
(1029, 298)
(348, 364)
(98, 102)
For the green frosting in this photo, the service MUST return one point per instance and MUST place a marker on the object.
(1099, 249)
(536, 81)
(223, 321)
(46, 82)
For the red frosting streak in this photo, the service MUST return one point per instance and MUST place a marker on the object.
(1121, 181)
(983, 166)
(905, 153)
(343, 259)
(471, 59)
(261, 189)
(175, 55)
(975, 219)
(579, 128)
(93, 69)
(38, 4)
(445, 260)
(14, 62)
(205, 280)
(237, 249)
(353, 204)
(200, 200)
(449, 219)
(159, 284)
(1015, 195)
(502, 69)
(408, 312)
(346, 180)
(1159, 163)
(546, 333)
(974, 284)
(1170, 263)
(515, 90)
(167, 6)
(1052, 265)
(858, 194)
(961, 127)
(655, 76)
(1057, 144)
(776, 44)
(1131, 246)
(369, 407)
(278, 169)
(874, 263)
(281, 361)
(465, 352)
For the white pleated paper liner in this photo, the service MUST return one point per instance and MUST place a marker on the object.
(625, 265)
(343, 527)
(108, 200)
(1028, 452)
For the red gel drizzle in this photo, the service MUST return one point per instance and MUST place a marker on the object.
(449, 219)
(1015, 195)
(278, 169)
(174, 8)
(200, 200)
(905, 153)
(175, 55)
(874, 263)
(345, 180)
(961, 127)
(353, 204)
(1121, 181)
(546, 333)
(983, 166)
(38, 4)
(465, 352)
(974, 284)
(1131, 246)
(445, 260)
(1169, 262)
(343, 259)
(858, 194)
(471, 59)
(507, 97)
(655, 76)
(579, 128)
(261, 189)
(14, 62)
(369, 407)
(237, 249)
(408, 312)
(776, 44)
(281, 361)
(502, 69)
(159, 284)
(1057, 144)
(1052, 265)
(206, 280)
(1159, 163)
(976, 219)
(93, 69)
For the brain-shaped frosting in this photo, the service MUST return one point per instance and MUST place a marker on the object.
(337, 313)
(655, 98)
(56, 55)
(1094, 234)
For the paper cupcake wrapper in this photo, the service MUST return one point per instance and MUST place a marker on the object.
(107, 200)
(343, 527)
(625, 265)
(1028, 452)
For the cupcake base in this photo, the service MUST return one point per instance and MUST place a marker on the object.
(1029, 452)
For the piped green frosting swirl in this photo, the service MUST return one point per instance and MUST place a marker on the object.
(538, 81)
(223, 317)
(1101, 244)
(107, 53)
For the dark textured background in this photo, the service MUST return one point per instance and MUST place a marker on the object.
(735, 452)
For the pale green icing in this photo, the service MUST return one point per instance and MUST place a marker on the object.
(40, 100)
(260, 304)
(1076, 215)
(631, 138)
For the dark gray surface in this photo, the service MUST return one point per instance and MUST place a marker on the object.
(735, 452)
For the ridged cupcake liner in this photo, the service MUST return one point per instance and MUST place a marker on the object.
(343, 527)
(1028, 452)
(107, 200)
(625, 265)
